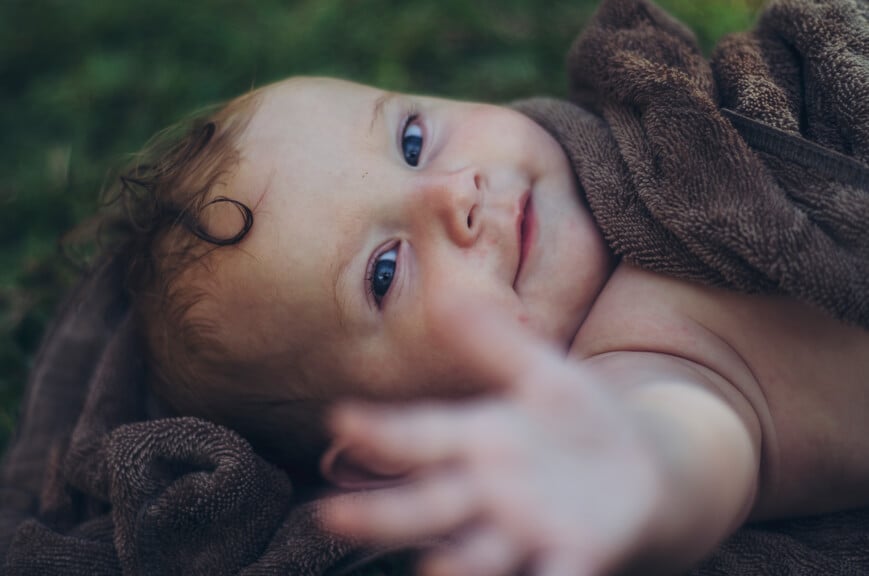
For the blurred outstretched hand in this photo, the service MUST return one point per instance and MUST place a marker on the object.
(548, 474)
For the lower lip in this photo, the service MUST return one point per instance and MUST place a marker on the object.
(529, 233)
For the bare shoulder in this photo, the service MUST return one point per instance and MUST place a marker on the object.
(640, 311)
(803, 375)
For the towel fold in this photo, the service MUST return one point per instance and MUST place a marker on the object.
(748, 171)
(95, 484)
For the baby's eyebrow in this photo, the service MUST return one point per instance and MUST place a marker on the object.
(378, 107)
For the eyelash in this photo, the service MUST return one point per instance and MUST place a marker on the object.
(411, 117)
(372, 269)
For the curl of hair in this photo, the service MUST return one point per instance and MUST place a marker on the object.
(154, 216)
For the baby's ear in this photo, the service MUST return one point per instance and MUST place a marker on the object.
(352, 468)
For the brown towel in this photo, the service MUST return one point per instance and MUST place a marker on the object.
(97, 483)
(750, 172)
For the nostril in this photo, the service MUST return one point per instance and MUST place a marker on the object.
(471, 219)
(476, 182)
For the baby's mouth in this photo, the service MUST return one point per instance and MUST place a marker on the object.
(526, 224)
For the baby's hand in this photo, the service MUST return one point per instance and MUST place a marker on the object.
(549, 475)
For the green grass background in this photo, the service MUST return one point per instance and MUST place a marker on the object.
(84, 83)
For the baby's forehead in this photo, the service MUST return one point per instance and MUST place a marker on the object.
(311, 94)
(303, 116)
(305, 135)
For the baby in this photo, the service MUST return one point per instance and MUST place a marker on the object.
(582, 415)
(644, 414)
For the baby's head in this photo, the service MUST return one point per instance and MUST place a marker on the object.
(365, 209)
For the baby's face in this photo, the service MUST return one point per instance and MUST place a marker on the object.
(370, 206)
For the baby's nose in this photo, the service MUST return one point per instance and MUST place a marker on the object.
(455, 198)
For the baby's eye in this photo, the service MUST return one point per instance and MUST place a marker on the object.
(411, 141)
(381, 274)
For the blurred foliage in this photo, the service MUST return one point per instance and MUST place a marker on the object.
(85, 83)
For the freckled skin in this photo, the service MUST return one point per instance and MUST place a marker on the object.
(308, 143)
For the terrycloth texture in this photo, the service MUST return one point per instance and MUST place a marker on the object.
(97, 484)
(832, 545)
(675, 187)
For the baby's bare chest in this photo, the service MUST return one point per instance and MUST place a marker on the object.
(805, 375)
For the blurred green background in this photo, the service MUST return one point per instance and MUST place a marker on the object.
(84, 83)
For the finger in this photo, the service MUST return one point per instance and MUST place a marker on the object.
(432, 507)
(485, 551)
(417, 435)
(489, 343)
(564, 565)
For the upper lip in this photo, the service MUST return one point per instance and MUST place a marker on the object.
(520, 219)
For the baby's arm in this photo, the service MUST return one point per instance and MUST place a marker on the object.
(573, 468)
(706, 441)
